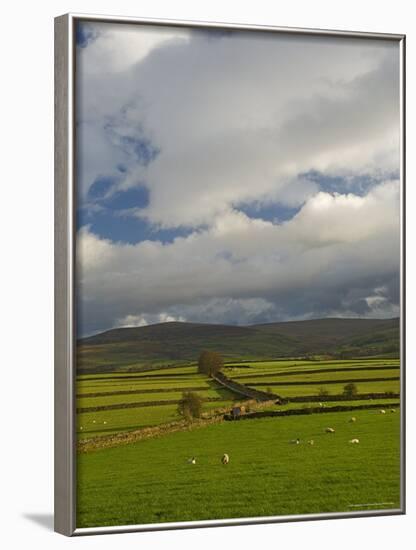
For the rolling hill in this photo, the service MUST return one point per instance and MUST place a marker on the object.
(340, 336)
(173, 343)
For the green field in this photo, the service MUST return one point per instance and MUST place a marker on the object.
(148, 391)
(150, 395)
(332, 389)
(151, 481)
(290, 379)
(291, 405)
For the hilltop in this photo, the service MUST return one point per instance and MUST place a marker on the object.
(181, 342)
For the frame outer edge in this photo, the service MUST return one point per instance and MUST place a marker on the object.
(64, 487)
(403, 281)
(186, 23)
(64, 441)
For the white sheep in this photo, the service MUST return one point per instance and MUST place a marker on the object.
(393, 410)
(192, 460)
(295, 441)
(353, 419)
(382, 411)
(311, 442)
(355, 440)
(93, 421)
(225, 458)
(330, 430)
(80, 428)
(105, 421)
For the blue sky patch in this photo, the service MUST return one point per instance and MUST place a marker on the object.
(110, 224)
(137, 197)
(358, 185)
(270, 212)
(85, 34)
(101, 187)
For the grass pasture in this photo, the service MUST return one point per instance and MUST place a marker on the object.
(151, 481)
(332, 389)
(302, 378)
(291, 405)
(142, 399)
(151, 392)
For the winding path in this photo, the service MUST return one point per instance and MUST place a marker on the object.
(242, 389)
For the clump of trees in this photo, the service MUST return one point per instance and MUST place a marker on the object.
(190, 406)
(350, 390)
(210, 362)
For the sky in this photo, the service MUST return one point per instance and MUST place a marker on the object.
(235, 177)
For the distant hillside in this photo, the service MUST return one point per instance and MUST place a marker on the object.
(175, 343)
(340, 336)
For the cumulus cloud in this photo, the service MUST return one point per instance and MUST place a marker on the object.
(329, 259)
(220, 130)
(237, 117)
(106, 92)
(144, 320)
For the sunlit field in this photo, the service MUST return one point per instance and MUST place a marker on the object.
(152, 481)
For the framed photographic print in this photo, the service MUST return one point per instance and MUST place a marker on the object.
(229, 334)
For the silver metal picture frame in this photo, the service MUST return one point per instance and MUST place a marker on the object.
(66, 331)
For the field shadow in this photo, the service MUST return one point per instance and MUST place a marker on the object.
(44, 520)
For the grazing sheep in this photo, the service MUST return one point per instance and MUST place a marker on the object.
(93, 421)
(80, 427)
(330, 430)
(105, 421)
(311, 442)
(192, 460)
(225, 458)
(320, 404)
(295, 441)
(355, 440)
(392, 410)
(382, 411)
(353, 419)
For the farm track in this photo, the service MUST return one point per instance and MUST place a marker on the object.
(242, 389)
(322, 382)
(314, 371)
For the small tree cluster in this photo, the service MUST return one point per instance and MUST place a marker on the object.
(210, 362)
(190, 406)
(350, 390)
(323, 392)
